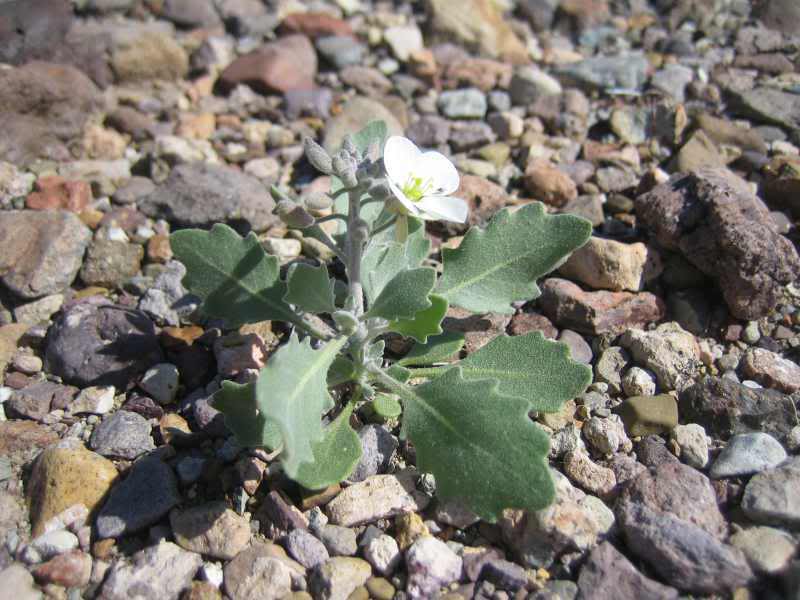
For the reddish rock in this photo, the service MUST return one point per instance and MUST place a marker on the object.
(484, 197)
(523, 323)
(482, 73)
(548, 183)
(771, 370)
(289, 63)
(24, 437)
(69, 570)
(314, 25)
(54, 192)
(725, 230)
(478, 330)
(568, 306)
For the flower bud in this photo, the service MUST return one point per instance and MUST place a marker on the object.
(317, 156)
(381, 191)
(349, 146)
(294, 215)
(345, 167)
(317, 201)
(345, 321)
(360, 231)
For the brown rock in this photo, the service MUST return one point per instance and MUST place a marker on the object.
(314, 25)
(482, 73)
(771, 370)
(149, 55)
(290, 63)
(9, 337)
(485, 198)
(478, 330)
(55, 192)
(523, 323)
(723, 131)
(21, 440)
(722, 228)
(590, 476)
(159, 249)
(611, 265)
(70, 570)
(698, 152)
(548, 183)
(211, 529)
(568, 306)
(772, 63)
(783, 15)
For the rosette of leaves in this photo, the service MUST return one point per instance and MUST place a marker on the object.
(470, 419)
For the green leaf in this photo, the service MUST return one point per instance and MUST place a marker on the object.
(438, 349)
(373, 133)
(405, 295)
(292, 391)
(384, 258)
(399, 373)
(335, 455)
(499, 265)
(479, 445)
(387, 406)
(310, 288)
(529, 367)
(236, 279)
(425, 323)
(341, 371)
(237, 403)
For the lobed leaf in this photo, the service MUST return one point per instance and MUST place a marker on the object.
(438, 349)
(480, 446)
(335, 455)
(425, 323)
(499, 265)
(234, 276)
(237, 403)
(292, 391)
(309, 288)
(387, 406)
(405, 295)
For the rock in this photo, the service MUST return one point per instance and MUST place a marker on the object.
(21, 441)
(166, 299)
(62, 477)
(53, 543)
(608, 574)
(672, 80)
(639, 382)
(693, 443)
(289, 63)
(504, 574)
(588, 475)
(147, 493)
(111, 263)
(468, 103)
(781, 15)
(210, 529)
(627, 71)
(431, 565)
(160, 382)
(669, 351)
(768, 105)
(409, 527)
(43, 251)
(579, 349)
(608, 368)
(484, 197)
(34, 401)
(378, 497)
(380, 589)
(686, 556)
(767, 550)
(771, 370)
(748, 453)
(469, 135)
(594, 313)
(528, 84)
(723, 131)
(478, 329)
(161, 571)
(39, 311)
(546, 182)
(69, 570)
(56, 193)
(480, 25)
(98, 343)
(341, 51)
(725, 408)
(403, 41)
(698, 152)
(644, 415)
(525, 322)
(259, 572)
(727, 222)
(574, 522)
(611, 265)
(146, 54)
(354, 116)
(340, 541)
(305, 548)
(377, 448)
(338, 577)
(315, 25)
(16, 578)
(383, 554)
(32, 30)
(606, 436)
(191, 14)
(773, 496)
(14, 183)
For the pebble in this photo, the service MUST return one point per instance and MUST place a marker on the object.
(380, 588)
(124, 435)
(644, 415)
(767, 550)
(409, 527)
(288, 63)
(160, 382)
(147, 493)
(771, 370)
(639, 382)
(431, 565)
(748, 453)
(354, 116)
(96, 400)
(773, 496)
(166, 299)
(148, 54)
(160, 571)
(69, 570)
(377, 497)
(404, 41)
(528, 84)
(383, 553)
(610, 265)
(341, 50)
(17, 578)
(340, 541)
(39, 311)
(626, 71)
(50, 544)
(378, 446)
(111, 263)
(546, 182)
(338, 577)
(210, 529)
(588, 475)
(259, 572)
(606, 435)
(692, 440)
(469, 103)
(305, 548)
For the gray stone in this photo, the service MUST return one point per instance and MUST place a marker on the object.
(748, 453)
(42, 251)
(468, 103)
(111, 263)
(692, 440)
(769, 105)
(626, 71)
(18, 579)
(53, 543)
(773, 496)
(338, 577)
(669, 351)
(147, 493)
(191, 13)
(579, 349)
(160, 382)
(504, 574)
(202, 194)
(528, 84)
(340, 541)
(211, 529)
(162, 571)
(259, 572)
(39, 311)
(767, 550)
(35, 401)
(638, 382)
(383, 554)
(468, 135)
(166, 299)
(305, 548)
(377, 448)
(378, 497)
(341, 50)
(431, 565)
(124, 435)
(608, 368)
(672, 80)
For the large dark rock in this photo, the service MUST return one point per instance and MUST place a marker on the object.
(98, 343)
(32, 29)
(722, 228)
(725, 408)
(201, 194)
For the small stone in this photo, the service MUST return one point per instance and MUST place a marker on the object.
(377, 448)
(378, 497)
(455, 512)
(39, 311)
(338, 577)
(380, 589)
(693, 443)
(403, 41)
(147, 493)
(639, 382)
(669, 351)
(546, 182)
(289, 63)
(698, 152)
(609, 367)
(409, 528)
(610, 265)
(160, 382)
(17, 578)
(672, 80)
(56, 193)
(259, 572)
(469, 103)
(69, 570)
(579, 349)
(588, 475)
(149, 54)
(773, 496)
(767, 550)
(383, 554)
(305, 548)
(341, 50)
(504, 574)
(281, 514)
(771, 370)
(644, 415)
(354, 116)
(211, 529)
(161, 571)
(431, 565)
(528, 84)
(627, 71)
(606, 436)
(53, 543)
(340, 541)
(124, 434)
(748, 453)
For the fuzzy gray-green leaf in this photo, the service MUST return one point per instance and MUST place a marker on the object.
(441, 348)
(405, 295)
(335, 455)
(237, 403)
(309, 288)
(499, 265)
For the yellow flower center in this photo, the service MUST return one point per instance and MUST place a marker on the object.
(415, 188)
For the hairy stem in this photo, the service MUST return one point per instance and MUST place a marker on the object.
(429, 371)
(401, 229)
(384, 227)
(355, 246)
(332, 217)
(321, 235)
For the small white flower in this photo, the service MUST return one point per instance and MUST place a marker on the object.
(423, 181)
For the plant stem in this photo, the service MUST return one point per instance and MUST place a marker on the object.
(310, 329)
(321, 235)
(429, 371)
(390, 383)
(401, 228)
(331, 218)
(384, 227)
(355, 247)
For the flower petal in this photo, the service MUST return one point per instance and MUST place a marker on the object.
(447, 208)
(401, 197)
(399, 156)
(437, 168)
